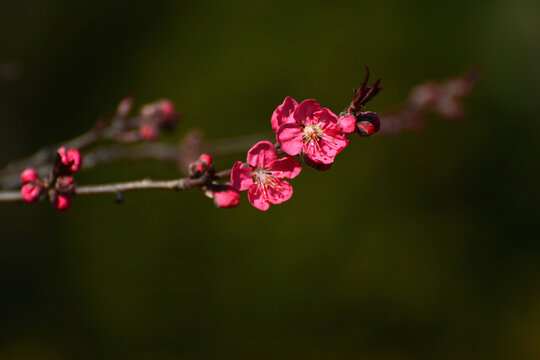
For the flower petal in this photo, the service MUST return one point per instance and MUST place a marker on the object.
(262, 154)
(305, 111)
(281, 192)
(290, 138)
(284, 113)
(326, 149)
(287, 167)
(347, 124)
(241, 176)
(256, 198)
(326, 115)
(333, 142)
(317, 154)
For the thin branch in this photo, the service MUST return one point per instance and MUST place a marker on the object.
(146, 184)
(46, 155)
(154, 117)
(10, 196)
(181, 154)
(444, 98)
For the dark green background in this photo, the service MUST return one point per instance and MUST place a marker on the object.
(420, 246)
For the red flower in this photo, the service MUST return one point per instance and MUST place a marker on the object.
(311, 131)
(263, 178)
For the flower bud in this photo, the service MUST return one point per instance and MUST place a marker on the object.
(65, 184)
(29, 176)
(162, 114)
(367, 123)
(168, 110)
(71, 160)
(205, 158)
(149, 132)
(30, 193)
(62, 202)
(201, 166)
(124, 107)
(347, 124)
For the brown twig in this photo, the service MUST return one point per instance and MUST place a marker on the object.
(119, 128)
(182, 154)
(118, 188)
(46, 155)
(442, 98)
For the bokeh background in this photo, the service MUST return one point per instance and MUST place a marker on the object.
(419, 246)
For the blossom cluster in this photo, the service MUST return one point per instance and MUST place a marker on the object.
(303, 131)
(155, 117)
(59, 186)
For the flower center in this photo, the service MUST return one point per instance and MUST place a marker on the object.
(312, 132)
(265, 181)
(263, 176)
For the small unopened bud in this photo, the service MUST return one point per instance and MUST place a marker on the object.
(162, 114)
(149, 132)
(205, 158)
(71, 160)
(65, 184)
(201, 166)
(124, 107)
(315, 165)
(30, 193)
(367, 124)
(62, 202)
(168, 110)
(347, 124)
(29, 176)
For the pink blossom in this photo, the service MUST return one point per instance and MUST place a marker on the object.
(71, 158)
(312, 131)
(29, 176)
(263, 177)
(30, 193)
(226, 196)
